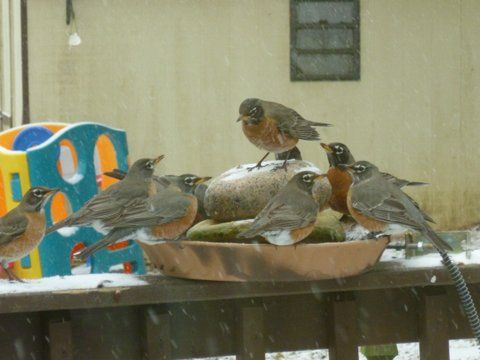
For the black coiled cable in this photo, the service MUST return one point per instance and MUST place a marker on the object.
(463, 293)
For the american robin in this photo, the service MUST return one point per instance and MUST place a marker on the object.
(275, 127)
(294, 154)
(337, 154)
(162, 217)
(375, 203)
(187, 183)
(106, 209)
(23, 228)
(290, 215)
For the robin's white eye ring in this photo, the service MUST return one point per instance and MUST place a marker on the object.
(149, 165)
(189, 181)
(253, 111)
(37, 192)
(307, 178)
(338, 150)
(361, 168)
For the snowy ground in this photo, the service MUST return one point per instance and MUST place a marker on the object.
(459, 350)
(76, 282)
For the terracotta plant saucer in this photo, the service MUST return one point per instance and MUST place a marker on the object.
(264, 262)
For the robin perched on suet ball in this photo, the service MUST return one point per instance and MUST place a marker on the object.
(275, 127)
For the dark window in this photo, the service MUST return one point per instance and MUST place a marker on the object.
(324, 40)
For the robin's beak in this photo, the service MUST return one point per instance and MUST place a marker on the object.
(242, 118)
(49, 194)
(201, 180)
(158, 159)
(327, 148)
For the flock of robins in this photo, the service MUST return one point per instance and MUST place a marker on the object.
(153, 209)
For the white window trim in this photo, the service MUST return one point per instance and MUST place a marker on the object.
(11, 91)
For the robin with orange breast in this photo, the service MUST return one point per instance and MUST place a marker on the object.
(187, 183)
(290, 215)
(376, 203)
(106, 209)
(164, 216)
(339, 154)
(274, 127)
(23, 228)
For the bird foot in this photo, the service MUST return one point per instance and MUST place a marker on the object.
(279, 167)
(11, 276)
(258, 166)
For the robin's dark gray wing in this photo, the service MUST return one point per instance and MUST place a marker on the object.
(291, 122)
(12, 225)
(378, 197)
(381, 200)
(402, 182)
(282, 214)
(157, 210)
(106, 207)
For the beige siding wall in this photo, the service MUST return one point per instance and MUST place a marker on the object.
(174, 72)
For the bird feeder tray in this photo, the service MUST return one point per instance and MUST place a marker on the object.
(220, 261)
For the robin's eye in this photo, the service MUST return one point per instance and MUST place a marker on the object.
(149, 165)
(253, 111)
(307, 178)
(360, 168)
(338, 150)
(37, 193)
(189, 181)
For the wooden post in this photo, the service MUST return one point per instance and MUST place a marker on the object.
(60, 339)
(433, 325)
(342, 327)
(156, 327)
(250, 332)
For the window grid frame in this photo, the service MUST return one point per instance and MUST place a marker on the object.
(295, 73)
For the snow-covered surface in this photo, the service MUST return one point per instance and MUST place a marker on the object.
(242, 171)
(429, 260)
(68, 231)
(459, 350)
(74, 282)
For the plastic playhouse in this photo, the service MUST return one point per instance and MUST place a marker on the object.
(72, 158)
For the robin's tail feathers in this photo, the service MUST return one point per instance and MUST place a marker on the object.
(110, 239)
(116, 174)
(314, 123)
(437, 241)
(416, 183)
(90, 250)
(57, 226)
